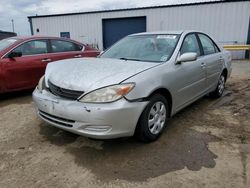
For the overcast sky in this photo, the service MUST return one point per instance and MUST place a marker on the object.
(18, 10)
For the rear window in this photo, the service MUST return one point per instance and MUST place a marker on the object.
(5, 43)
(64, 46)
(208, 45)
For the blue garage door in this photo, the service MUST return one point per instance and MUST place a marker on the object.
(115, 29)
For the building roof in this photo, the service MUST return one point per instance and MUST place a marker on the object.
(139, 8)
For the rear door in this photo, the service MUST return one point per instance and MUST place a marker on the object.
(213, 60)
(62, 49)
(25, 71)
(190, 76)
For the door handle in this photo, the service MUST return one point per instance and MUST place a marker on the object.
(78, 56)
(46, 60)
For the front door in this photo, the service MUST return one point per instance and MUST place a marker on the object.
(190, 76)
(25, 71)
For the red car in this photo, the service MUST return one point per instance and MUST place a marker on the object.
(23, 59)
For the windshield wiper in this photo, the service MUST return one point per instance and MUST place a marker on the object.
(129, 59)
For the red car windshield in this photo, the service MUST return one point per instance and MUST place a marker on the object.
(5, 43)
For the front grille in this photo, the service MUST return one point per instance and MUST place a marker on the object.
(65, 93)
(52, 118)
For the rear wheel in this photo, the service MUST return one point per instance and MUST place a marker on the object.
(220, 87)
(153, 119)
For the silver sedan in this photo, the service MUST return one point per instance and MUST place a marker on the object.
(134, 87)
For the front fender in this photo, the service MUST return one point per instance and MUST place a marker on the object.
(149, 81)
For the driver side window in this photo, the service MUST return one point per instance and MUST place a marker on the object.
(32, 47)
(190, 44)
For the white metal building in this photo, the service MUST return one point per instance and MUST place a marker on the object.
(226, 21)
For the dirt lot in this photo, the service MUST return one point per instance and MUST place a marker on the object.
(205, 145)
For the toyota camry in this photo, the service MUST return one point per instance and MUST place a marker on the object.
(134, 87)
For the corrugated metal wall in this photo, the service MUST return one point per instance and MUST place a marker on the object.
(226, 22)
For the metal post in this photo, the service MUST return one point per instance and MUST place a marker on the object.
(248, 41)
(13, 27)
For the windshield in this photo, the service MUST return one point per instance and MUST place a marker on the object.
(152, 48)
(5, 43)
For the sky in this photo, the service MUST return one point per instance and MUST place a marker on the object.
(18, 10)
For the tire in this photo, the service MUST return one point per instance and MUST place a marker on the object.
(217, 93)
(153, 119)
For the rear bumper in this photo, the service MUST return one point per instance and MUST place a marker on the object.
(101, 121)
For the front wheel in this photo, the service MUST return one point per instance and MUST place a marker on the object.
(217, 93)
(153, 119)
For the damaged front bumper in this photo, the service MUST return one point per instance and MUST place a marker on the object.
(100, 121)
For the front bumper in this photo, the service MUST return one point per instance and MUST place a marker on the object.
(101, 121)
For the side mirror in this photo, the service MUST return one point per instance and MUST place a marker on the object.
(15, 54)
(186, 57)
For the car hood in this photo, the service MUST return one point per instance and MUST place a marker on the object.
(87, 74)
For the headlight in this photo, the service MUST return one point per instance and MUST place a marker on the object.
(108, 94)
(41, 84)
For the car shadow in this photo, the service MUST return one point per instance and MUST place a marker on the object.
(179, 147)
(18, 97)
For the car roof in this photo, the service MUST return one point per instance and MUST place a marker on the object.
(27, 38)
(178, 32)
(37, 37)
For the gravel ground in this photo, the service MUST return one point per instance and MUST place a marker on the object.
(205, 145)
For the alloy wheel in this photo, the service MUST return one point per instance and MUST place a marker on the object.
(157, 117)
(221, 85)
